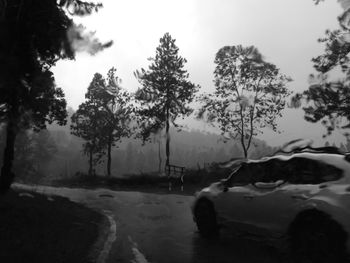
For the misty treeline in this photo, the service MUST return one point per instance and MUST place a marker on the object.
(55, 153)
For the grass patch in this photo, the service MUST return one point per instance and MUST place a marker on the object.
(35, 229)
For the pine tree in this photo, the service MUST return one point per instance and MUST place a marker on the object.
(87, 122)
(165, 92)
(118, 112)
(104, 118)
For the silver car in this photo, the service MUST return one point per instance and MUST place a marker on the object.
(302, 199)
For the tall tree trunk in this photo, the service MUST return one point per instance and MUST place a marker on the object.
(159, 157)
(245, 151)
(167, 147)
(90, 162)
(109, 159)
(7, 175)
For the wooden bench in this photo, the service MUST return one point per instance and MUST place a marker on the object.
(175, 172)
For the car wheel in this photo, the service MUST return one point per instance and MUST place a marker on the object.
(206, 219)
(315, 237)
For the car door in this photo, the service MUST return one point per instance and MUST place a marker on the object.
(265, 202)
(265, 198)
(276, 204)
(237, 207)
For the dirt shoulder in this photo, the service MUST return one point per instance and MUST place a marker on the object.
(37, 228)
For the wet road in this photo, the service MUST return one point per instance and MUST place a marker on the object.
(159, 228)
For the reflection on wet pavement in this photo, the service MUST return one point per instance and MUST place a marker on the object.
(159, 228)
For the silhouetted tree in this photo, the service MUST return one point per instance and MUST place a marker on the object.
(326, 100)
(115, 103)
(88, 121)
(34, 36)
(250, 94)
(165, 93)
(105, 118)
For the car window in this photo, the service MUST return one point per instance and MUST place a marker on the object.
(265, 172)
(295, 171)
(241, 176)
(307, 171)
(268, 172)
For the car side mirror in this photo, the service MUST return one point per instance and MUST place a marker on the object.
(225, 188)
(224, 185)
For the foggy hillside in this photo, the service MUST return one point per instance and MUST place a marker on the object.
(56, 153)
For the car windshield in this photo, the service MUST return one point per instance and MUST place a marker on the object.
(294, 171)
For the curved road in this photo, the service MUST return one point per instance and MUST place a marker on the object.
(155, 228)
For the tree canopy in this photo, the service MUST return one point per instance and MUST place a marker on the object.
(249, 94)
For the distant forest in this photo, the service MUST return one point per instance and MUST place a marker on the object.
(55, 153)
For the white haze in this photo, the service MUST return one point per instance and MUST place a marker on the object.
(285, 32)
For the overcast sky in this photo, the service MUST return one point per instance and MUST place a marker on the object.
(285, 32)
